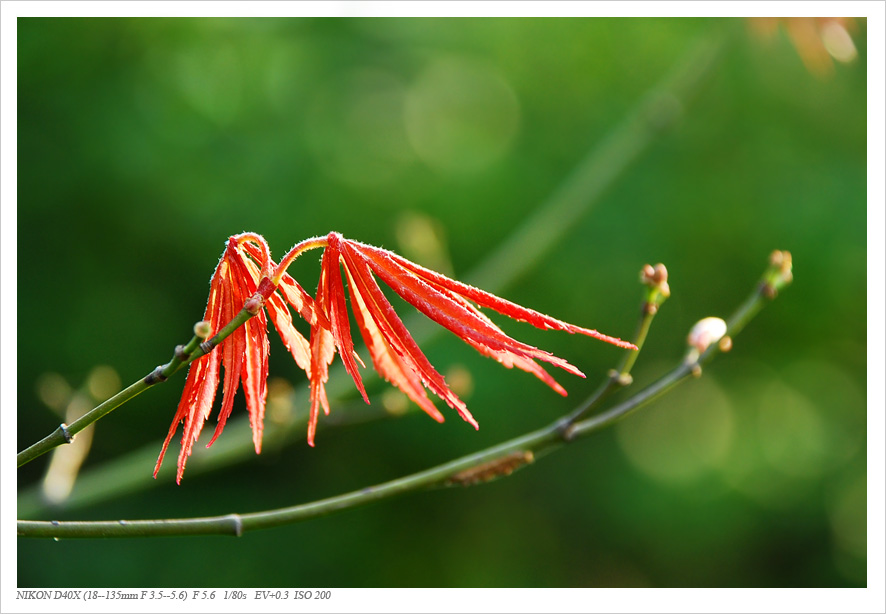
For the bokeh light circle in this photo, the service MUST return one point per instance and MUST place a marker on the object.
(461, 116)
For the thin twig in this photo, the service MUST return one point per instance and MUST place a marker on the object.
(657, 291)
(183, 356)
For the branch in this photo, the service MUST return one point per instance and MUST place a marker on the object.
(482, 466)
(184, 355)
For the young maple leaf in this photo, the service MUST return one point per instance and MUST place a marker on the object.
(244, 354)
(394, 353)
(244, 277)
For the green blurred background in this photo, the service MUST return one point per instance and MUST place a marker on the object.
(144, 143)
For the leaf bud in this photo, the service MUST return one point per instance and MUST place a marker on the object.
(202, 329)
(656, 279)
(705, 332)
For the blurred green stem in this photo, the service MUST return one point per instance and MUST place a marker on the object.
(658, 110)
(495, 461)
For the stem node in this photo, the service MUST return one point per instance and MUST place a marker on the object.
(156, 376)
(567, 430)
(254, 304)
(64, 431)
(237, 524)
(181, 354)
(622, 379)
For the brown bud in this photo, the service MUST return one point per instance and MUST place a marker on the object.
(496, 468)
(647, 274)
(656, 277)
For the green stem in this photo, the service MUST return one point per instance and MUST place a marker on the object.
(646, 317)
(236, 524)
(621, 377)
(184, 355)
(545, 439)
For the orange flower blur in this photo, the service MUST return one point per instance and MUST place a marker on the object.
(818, 40)
(246, 277)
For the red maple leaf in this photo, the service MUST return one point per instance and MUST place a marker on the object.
(246, 275)
(244, 354)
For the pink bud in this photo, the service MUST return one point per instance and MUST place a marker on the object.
(705, 332)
